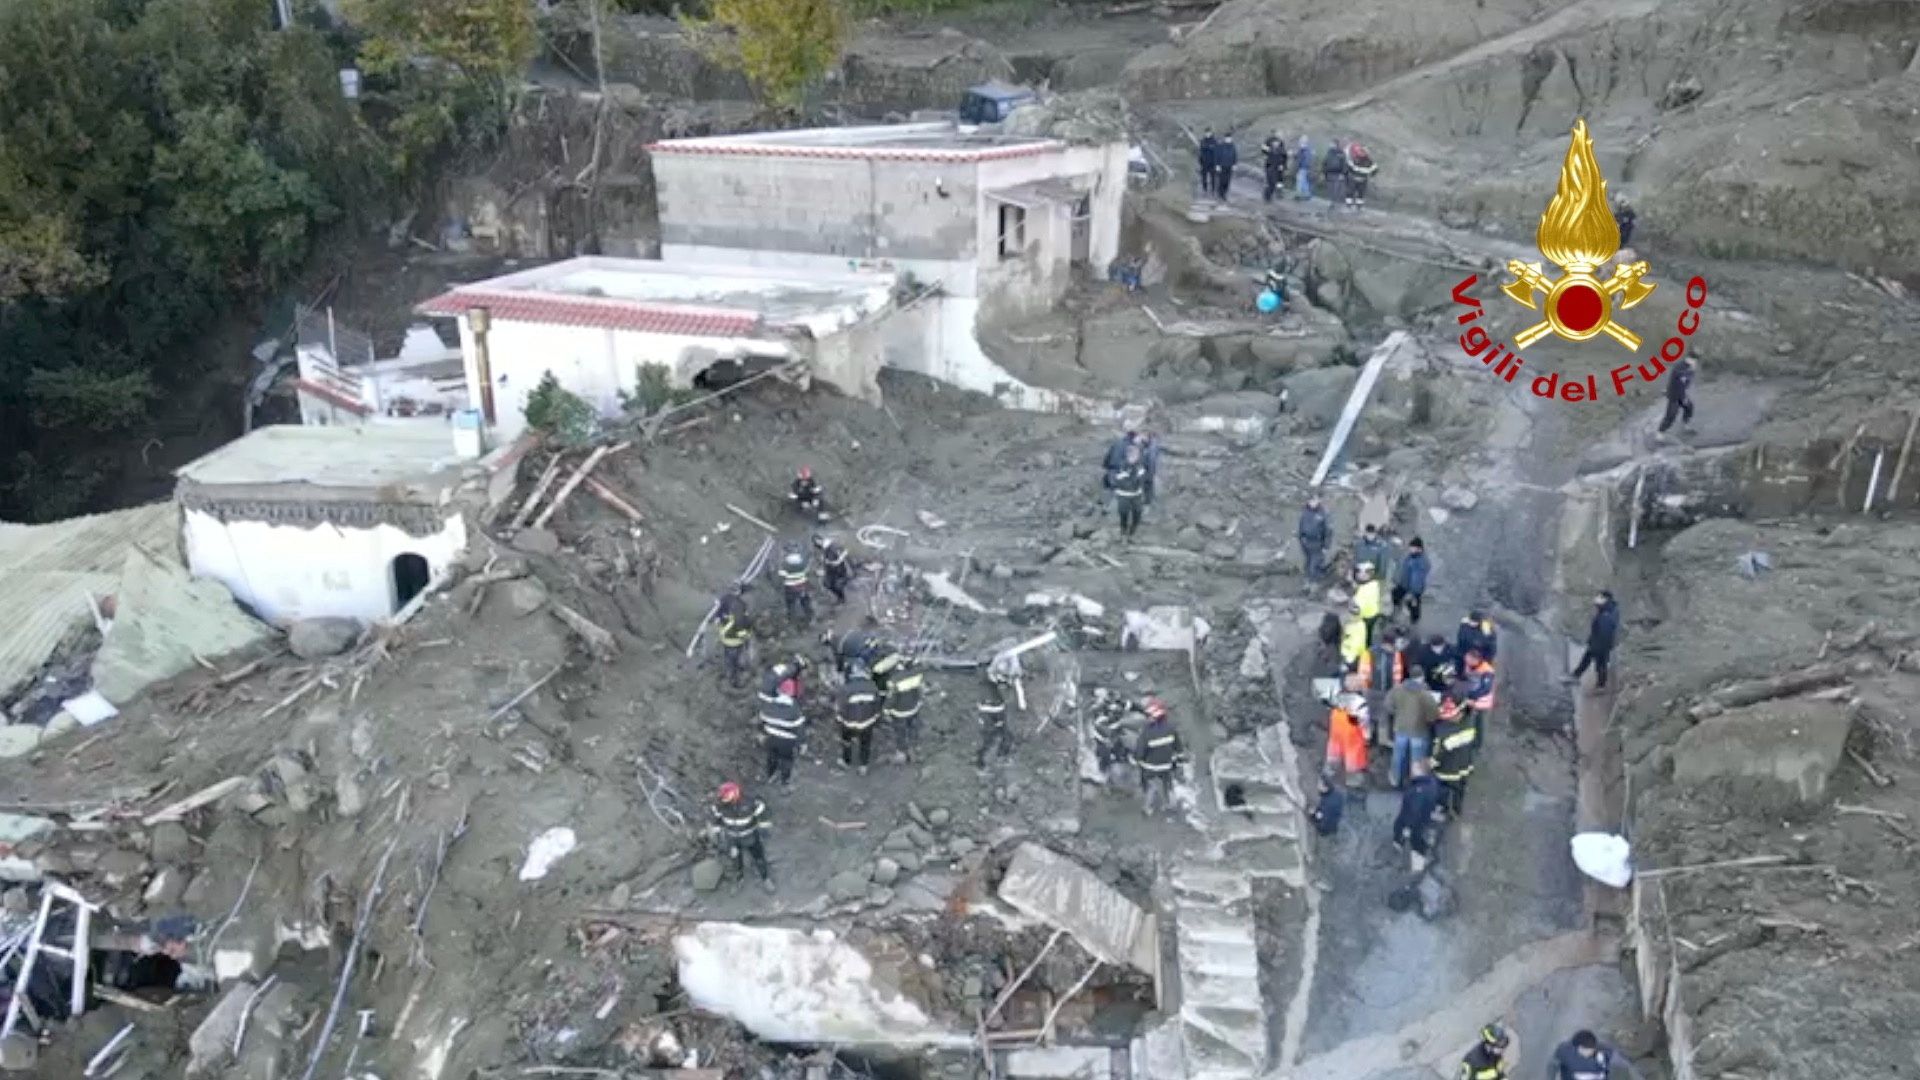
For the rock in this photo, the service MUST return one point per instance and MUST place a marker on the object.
(707, 874)
(1792, 744)
(879, 896)
(847, 885)
(360, 740)
(18, 740)
(165, 889)
(1223, 551)
(973, 987)
(908, 861)
(1459, 498)
(1437, 900)
(939, 816)
(317, 639)
(524, 596)
(1210, 521)
(348, 797)
(961, 847)
(1257, 555)
(54, 864)
(61, 723)
(917, 815)
(622, 894)
(19, 1052)
(1002, 572)
(537, 542)
(921, 838)
(885, 872)
(898, 840)
(120, 866)
(212, 1042)
(1438, 514)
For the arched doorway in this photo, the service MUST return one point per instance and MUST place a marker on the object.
(410, 576)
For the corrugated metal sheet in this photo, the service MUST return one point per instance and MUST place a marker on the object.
(47, 571)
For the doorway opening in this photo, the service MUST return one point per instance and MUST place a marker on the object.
(410, 578)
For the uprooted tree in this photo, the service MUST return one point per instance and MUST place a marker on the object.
(783, 47)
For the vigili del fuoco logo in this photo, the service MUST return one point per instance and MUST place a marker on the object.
(1579, 235)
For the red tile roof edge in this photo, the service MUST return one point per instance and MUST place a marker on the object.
(329, 394)
(857, 153)
(604, 312)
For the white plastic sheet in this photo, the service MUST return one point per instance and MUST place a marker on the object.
(547, 848)
(1604, 857)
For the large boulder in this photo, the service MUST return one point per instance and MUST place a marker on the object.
(1789, 747)
(317, 639)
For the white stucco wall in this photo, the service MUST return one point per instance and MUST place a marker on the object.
(286, 573)
(594, 363)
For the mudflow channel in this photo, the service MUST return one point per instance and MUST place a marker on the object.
(1391, 995)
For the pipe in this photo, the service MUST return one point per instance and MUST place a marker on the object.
(479, 321)
(1873, 481)
(1356, 401)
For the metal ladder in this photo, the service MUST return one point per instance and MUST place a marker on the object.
(75, 954)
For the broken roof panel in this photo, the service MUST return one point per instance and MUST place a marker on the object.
(1032, 196)
(1048, 886)
(48, 571)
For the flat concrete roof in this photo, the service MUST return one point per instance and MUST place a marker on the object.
(937, 141)
(394, 456)
(651, 296)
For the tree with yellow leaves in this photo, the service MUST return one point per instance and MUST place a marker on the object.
(781, 46)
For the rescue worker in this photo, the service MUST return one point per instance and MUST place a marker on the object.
(996, 736)
(1158, 751)
(835, 571)
(1600, 636)
(781, 682)
(1353, 643)
(744, 824)
(1150, 457)
(1410, 580)
(1487, 1060)
(1679, 394)
(1129, 484)
(1411, 713)
(1370, 547)
(1361, 168)
(1455, 742)
(782, 725)
(795, 585)
(1115, 460)
(1109, 731)
(904, 692)
(859, 711)
(1333, 172)
(1315, 533)
(1366, 593)
(1479, 676)
(1387, 670)
(1225, 157)
(1332, 806)
(736, 633)
(1347, 738)
(1624, 217)
(886, 663)
(1413, 826)
(1585, 1057)
(860, 644)
(1303, 169)
(806, 495)
(1207, 153)
(1476, 632)
(1274, 163)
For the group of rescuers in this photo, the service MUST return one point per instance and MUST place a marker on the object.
(881, 681)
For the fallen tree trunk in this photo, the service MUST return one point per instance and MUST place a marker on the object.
(603, 643)
(1779, 686)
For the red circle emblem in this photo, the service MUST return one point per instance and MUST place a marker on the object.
(1580, 308)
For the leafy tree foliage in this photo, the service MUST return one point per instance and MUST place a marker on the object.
(782, 46)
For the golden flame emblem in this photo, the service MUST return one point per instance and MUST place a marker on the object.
(1578, 234)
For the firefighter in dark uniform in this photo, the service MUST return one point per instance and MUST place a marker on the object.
(904, 689)
(886, 664)
(1488, 1059)
(859, 711)
(736, 633)
(1109, 732)
(995, 734)
(1456, 739)
(781, 681)
(1159, 751)
(806, 495)
(743, 823)
(1129, 484)
(795, 585)
(782, 725)
(859, 645)
(834, 568)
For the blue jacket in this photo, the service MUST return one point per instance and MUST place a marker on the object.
(1326, 816)
(1472, 637)
(1412, 573)
(1416, 812)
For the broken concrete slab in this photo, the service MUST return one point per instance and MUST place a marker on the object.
(1087, 608)
(943, 588)
(164, 619)
(1060, 1063)
(1170, 627)
(18, 740)
(1796, 743)
(1048, 886)
(18, 828)
(799, 986)
(211, 1044)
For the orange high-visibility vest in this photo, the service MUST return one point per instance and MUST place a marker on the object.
(1483, 703)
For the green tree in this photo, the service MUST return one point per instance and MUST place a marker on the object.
(783, 47)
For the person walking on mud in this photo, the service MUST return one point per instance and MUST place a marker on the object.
(859, 711)
(743, 823)
(1129, 484)
(1303, 169)
(1410, 580)
(996, 737)
(1158, 753)
(736, 633)
(905, 694)
(1207, 154)
(1601, 633)
(1226, 157)
(1413, 827)
(1585, 1057)
(796, 585)
(1488, 1059)
(1333, 173)
(1316, 534)
(1274, 162)
(1679, 395)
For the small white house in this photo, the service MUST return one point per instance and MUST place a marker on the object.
(301, 522)
(596, 322)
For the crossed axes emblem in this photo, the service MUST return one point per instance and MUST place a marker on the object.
(1624, 284)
